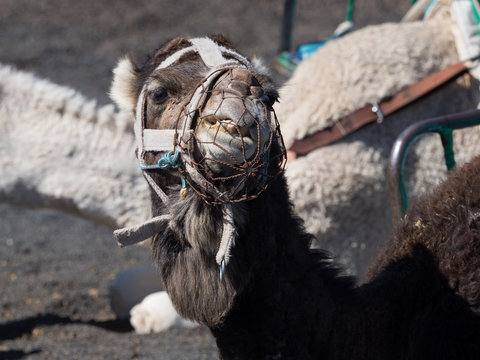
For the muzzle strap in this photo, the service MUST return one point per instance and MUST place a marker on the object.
(138, 233)
(229, 234)
(158, 140)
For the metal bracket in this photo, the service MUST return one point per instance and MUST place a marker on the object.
(376, 109)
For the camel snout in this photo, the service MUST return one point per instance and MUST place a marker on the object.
(226, 125)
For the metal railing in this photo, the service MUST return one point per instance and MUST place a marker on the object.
(444, 126)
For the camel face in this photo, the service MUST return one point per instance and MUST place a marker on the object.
(210, 106)
(232, 120)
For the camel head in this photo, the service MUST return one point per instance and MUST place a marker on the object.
(203, 119)
(209, 109)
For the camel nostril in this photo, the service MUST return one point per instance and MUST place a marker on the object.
(244, 131)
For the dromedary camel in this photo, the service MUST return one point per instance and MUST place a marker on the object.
(340, 191)
(329, 206)
(233, 255)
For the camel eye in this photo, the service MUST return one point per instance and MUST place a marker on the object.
(158, 96)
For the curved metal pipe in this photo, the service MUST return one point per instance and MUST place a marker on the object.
(444, 126)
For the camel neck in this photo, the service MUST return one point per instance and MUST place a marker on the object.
(292, 303)
(296, 305)
(322, 316)
(287, 284)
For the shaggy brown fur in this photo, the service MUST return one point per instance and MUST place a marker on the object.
(446, 223)
(281, 300)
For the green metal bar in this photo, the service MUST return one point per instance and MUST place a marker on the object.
(350, 8)
(475, 10)
(447, 141)
(403, 190)
(442, 125)
(287, 25)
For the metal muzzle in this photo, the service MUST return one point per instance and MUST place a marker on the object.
(223, 138)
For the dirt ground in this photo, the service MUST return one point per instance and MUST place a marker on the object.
(55, 269)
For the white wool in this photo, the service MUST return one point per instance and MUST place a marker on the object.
(341, 190)
(364, 66)
(61, 150)
(124, 76)
(155, 314)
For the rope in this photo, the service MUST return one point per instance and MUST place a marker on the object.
(228, 238)
(168, 160)
(137, 233)
(161, 194)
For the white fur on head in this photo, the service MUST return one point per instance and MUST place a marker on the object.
(124, 85)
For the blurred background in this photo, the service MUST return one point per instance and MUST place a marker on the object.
(55, 269)
(77, 43)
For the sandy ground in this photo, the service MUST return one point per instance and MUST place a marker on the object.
(55, 269)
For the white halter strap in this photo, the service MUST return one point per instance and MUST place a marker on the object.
(210, 52)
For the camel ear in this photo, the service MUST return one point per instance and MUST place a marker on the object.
(260, 66)
(125, 84)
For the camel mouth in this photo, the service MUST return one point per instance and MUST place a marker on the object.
(225, 124)
(231, 149)
(223, 139)
(208, 122)
(233, 130)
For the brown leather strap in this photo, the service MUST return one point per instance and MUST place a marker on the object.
(375, 112)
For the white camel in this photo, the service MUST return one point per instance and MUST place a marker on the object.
(341, 190)
(59, 149)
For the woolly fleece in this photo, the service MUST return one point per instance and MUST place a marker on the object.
(60, 150)
(341, 190)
